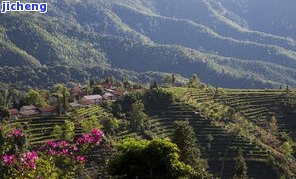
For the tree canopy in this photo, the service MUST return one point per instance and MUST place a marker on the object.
(158, 158)
(185, 139)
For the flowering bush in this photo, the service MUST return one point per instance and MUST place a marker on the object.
(15, 141)
(15, 133)
(93, 138)
(29, 160)
(54, 159)
(8, 160)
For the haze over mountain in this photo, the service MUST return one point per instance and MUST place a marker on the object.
(227, 43)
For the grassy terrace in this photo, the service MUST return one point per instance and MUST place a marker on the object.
(260, 106)
(86, 113)
(224, 145)
(39, 129)
(97, 164)
(246, 113)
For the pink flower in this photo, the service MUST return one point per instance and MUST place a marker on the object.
(29, 159)
(63, 143)
(97, 136)
(8, 159)
(15, 133)
(80, 159)
(52, 144)
(91, 138)
(87, 137)
(79, 141)
(64, 151)
(52, 152)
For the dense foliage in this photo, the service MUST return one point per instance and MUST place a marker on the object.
(154, 159)
(157, 98)
(240, 168)
(185, 139)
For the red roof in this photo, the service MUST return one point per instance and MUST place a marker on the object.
(77, 91)
(48, 109)
(119, 92)
(106, 85)
(14, 112)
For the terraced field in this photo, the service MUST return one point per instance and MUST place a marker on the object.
(259, 107)
(223, 145)
(248, 113)
(97, 163)
(86, 113)
(37, 129)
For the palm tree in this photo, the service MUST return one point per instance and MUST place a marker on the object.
(8, 97)
(62, 94)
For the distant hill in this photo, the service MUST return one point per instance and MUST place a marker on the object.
(81, 40)
(275, 17)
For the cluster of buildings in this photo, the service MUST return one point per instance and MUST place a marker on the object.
(85, 100)
(27, 111)
(81, 100)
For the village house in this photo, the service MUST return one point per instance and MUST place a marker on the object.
(119, 93)
(115, 94)
(109, 96)
(48, 110)
(106, 85)
(29, 111)
(75, 105)
(109, 90)
(77, 92)
(91, 99)
(14, 112)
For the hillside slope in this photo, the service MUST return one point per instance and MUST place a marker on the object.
(275, 17)
(95, 38)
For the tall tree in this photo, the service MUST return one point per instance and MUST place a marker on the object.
(137, 117)
(240, 168)
(62, 93)
(185, 139)
(153, 85)
(4, 94)
(194, 82)
(4, 113)
(33, 97)
(127, 84)
(92, 83)
(8, 97)
(97, 90)
(173, 80)
(110, 80)
(273, 125)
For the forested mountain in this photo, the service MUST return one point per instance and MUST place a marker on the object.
(226, 43)
(275, 17)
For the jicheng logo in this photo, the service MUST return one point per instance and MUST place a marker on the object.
(18, 6)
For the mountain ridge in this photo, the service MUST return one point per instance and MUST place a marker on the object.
(86, 35)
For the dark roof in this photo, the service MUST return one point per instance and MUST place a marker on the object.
(29, 112)
(31, 107)
(93, 97)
